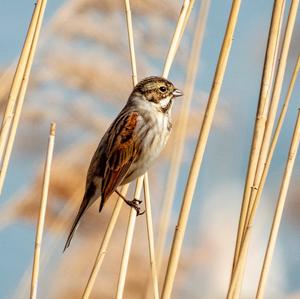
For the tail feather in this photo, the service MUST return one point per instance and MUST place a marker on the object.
(92, 192)
(75, 224)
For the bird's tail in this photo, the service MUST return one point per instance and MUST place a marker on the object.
(82, 209)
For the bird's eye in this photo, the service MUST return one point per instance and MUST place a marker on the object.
(163, 89)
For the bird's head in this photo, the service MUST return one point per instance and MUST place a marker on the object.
(158, 91)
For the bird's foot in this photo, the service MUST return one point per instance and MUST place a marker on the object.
(135, 203)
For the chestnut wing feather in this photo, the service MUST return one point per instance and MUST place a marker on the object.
(121, 152)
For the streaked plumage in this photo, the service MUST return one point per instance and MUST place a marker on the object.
(131, 144)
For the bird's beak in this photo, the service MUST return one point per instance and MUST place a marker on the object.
(177, 93)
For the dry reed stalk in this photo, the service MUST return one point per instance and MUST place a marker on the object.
(21, 96)
(256, 157)
(269, 127)
(199, 152)
(275, 99)
(18, 76)
(104, 244)
(67, 211)
(180, 27)
(180, 131)
(131, 42)
(150, 237)
(261, 116)
(279, 208)
(128, 241)
(42, 213)
(188, 13)
(244, 246)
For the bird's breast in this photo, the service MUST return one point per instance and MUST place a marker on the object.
(153, 135)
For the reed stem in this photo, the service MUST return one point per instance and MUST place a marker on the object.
(42, 213)
(199, 152)
(18, 76)
(128, 241)
(182, 21)
(279, 209)
(180, 131)
(150, 237)
(21, 96)
(259, 127)
(243, 250)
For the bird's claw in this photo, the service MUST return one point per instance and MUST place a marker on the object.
(135, 203)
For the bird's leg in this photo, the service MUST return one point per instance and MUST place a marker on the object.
(135, 203)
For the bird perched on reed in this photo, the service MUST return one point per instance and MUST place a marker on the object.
(131, 144)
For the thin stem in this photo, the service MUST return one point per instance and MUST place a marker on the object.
(128, 241)
(254, 170)
(150, 236)
(261, 116)
(17, 80)
(21, 96)
(243, 250)
(279, 209)
(42, 213)
(182, 21)
(199, 152)
(131, 42)
(277, 88)
(104, 244)
(180, 131)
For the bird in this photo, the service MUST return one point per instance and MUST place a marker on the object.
(130, 145)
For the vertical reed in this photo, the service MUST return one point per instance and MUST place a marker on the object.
(199, 152)
(128, 241)
(243, 249)
(150, 237)
(260, 119)
(21, 95)
(180, 131)
(104, 245)
(41, 219)
(279, 208)
(275, 94)
(17, 80)
(268, 130)
(181, 24)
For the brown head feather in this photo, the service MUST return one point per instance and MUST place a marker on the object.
(154, 88)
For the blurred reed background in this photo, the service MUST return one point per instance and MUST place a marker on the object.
(81, 77)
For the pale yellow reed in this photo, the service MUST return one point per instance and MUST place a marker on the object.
(17, 80)
(42, 213)
(104, 244)
(180, 131)
(270, 122)
(244, 247)
(259, 128)
(199, 152)
(182, 21)
(276, 93)
(21, 95)
(128, 241)
(150, 237)
(279, 209)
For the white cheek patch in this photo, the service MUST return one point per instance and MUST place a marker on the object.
(165, 102)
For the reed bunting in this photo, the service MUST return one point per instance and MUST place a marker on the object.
(131, 144)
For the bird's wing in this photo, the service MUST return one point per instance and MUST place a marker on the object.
(110, 163)
(122, 150)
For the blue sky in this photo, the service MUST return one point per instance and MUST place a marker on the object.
(225, 158)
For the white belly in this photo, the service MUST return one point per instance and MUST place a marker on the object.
(151, 148)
